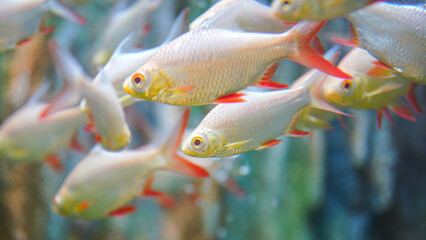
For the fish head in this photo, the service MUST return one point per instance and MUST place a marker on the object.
(202, 143)
(339, 91)
(291, 10)
(119, 141)
(145, 83)
(67, 203)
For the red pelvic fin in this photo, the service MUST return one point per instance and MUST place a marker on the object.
(385, 112)
(270, 72)
(97, 138)
(231, 98)
(412, 99)
(148, 191)
(297, 133)
(269, 144)
(402, 110)
(54, 162)
(341, 122)
(122, 211)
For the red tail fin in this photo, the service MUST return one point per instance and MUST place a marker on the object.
(305, 32)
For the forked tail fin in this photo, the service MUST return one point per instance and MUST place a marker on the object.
(305, 32)
(177, 163)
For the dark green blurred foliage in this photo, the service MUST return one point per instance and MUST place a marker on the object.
(353, 183)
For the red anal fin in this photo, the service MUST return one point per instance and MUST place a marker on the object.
(187, 168)
(317, 45)
(403, 111)
(122, 211)
(75, 145)
(297, 133)
(23, 42)
(271, 85)
(412, 99)
(231, 98)
(148, 191)
(54, 162)
(380, 71)
(269, 144)
(267, 76)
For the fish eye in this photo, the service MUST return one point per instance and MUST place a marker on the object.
(138, 79)
(347, 84)
(197, 142)
(286, 2)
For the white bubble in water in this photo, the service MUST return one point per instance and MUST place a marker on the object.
(275, 202)
(244, 170)
(189, 188)
(222, 232)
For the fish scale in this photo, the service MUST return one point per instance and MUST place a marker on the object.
(395, 35)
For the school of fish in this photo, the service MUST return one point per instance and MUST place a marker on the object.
(227, 57)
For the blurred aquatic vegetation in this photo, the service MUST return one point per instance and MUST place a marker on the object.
(352, 183)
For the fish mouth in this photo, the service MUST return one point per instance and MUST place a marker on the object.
(129, 90)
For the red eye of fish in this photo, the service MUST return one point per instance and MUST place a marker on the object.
(138, 78)
(347, 84)
(197, 142)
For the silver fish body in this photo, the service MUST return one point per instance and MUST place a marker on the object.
(396, 35)
(230, 129)
(25, 136)
(106, 181)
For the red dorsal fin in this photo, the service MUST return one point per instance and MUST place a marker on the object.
(412, 99)
(402, 110)
(148, 191)
(178, 163)
(269, 144)
(122, 211)
(54, 162)
(380, 70)
(231, 98)
(305, 32)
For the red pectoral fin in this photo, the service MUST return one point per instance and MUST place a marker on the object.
(403, 111)
(122, 211)
(231, 98)
(148, 191)
(54, 162)
(182, 166)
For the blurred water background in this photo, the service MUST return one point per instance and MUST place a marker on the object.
(353, 183)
